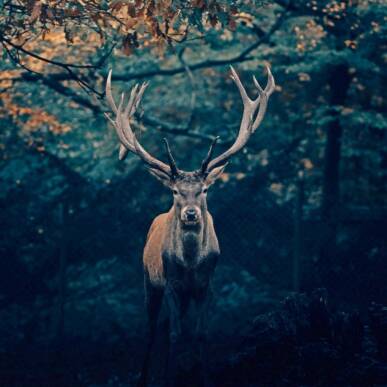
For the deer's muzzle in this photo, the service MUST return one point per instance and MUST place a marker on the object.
(190, 215)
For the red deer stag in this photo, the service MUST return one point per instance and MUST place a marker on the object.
(181, 249)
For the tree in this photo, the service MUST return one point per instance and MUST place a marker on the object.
(326, 116)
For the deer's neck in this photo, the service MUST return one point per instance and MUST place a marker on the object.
(189, 245)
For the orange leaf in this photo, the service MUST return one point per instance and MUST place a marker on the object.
(131, 10)
(36, 10)
(117, 5)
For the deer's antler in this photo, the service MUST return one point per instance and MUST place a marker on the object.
(126, 134)
(253, 113)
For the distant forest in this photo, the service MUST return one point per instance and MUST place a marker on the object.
(301, 213)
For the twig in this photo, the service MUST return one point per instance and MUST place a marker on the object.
(68, 67)
(160, 126)
(43, 59)
(193, 88)
(241, 57)
(53, 80)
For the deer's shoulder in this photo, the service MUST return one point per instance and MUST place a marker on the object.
(152, 258)
(158, 225)
(213, 244)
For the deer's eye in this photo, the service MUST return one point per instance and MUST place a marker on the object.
(175, 192)
(205, 190)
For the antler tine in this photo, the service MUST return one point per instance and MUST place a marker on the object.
(270, 82)
(203, 168)
(122, 152)
(263, 97)
(235, 77)
(171, 160)
(251, 119)
(109, 95)
(257, 85)
(140, 94)
(261, 112)
(124, 131)
(133, 103)
(129, 106)
(270, 86)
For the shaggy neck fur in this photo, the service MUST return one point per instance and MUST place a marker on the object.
(189, 244)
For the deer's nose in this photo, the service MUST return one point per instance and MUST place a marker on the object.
(191, 214)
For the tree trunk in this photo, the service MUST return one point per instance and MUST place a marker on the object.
(298, 218)
(339, 82)
(62, 273)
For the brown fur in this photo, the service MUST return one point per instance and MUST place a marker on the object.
(152, 257)
(156, 241)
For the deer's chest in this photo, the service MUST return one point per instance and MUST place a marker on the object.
(187, 276)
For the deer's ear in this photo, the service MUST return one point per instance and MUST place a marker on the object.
(161, 176)
(214, 174)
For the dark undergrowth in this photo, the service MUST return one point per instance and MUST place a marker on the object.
(303, 342)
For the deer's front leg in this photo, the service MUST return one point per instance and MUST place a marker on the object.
(173, 304)
(203, 303)
(204, 298)
(173, 301)
(203, 293)
(173, 274)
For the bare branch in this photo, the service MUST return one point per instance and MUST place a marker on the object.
(68, 67)
(241, 57)
(193, 88)
(43, 59)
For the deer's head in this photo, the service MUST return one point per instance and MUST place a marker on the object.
(189, 188)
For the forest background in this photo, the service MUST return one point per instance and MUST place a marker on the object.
(303, 207)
